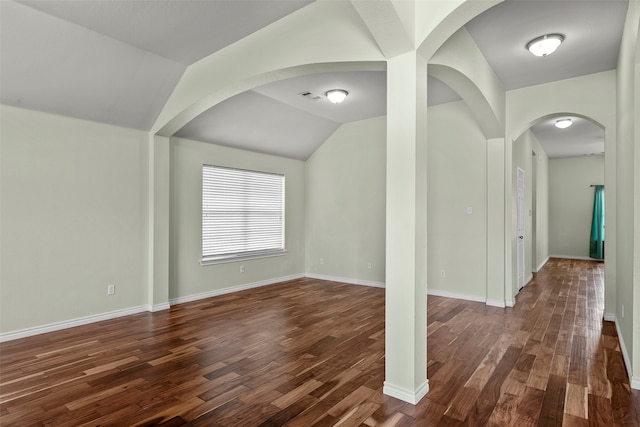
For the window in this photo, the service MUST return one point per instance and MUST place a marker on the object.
(242, 214)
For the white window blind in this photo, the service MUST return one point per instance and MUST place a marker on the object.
(242, 214)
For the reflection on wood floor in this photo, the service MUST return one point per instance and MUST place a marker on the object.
(311, 353)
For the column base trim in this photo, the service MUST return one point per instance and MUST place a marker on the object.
(496, 303)
(403, 394)
(158, 307)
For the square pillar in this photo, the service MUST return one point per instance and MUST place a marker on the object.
(406, 238)
(158, 248)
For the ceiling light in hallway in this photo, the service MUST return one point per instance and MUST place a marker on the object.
(563, 123)
(545, 45)
(337, 95)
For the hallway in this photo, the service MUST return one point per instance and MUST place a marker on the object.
(551, 360)
(310, 352)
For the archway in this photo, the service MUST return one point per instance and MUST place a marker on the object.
(559, 200)
(471, 94)
(235, 87)
(527, 106)
(205, 85)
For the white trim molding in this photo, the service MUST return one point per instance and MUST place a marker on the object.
(492, 302)
(528, 279)
(447, 294)
(230, 289)
(409, 396)
(634, 382)
(580, 257)
(37, 330)
(542, 264)
(345, 280)
(496, 303)
(158, 307)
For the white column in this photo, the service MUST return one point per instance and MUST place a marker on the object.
(496, 195)
(159, 185)
(510, 233)
(406, 245)
(610, 287)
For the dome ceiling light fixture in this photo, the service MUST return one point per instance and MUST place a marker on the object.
(545, 45)
(336, 95)
(563, 123)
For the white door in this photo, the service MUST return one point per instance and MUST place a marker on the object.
(520, 228)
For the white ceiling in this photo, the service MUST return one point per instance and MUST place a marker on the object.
(52, 65)
(583, 137)
(439, 93)
(277, 119)
(117, 62)
(592, 30)
(183, 31)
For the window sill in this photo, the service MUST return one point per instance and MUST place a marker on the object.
(240, 257)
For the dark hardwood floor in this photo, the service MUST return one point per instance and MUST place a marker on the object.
(311, 353)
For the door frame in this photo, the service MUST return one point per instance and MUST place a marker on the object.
(520, 227)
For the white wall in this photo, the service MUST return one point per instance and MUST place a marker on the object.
(542, 209)
(627, 308)
(74, 215)
(536, 199)
(457, 179)
(345, 203)
(571, 204)
(592, 96)
(75, 219)
(186, 276)
(460, 64)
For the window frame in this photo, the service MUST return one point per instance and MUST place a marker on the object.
(208, 258)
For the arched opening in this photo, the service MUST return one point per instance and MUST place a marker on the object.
(471, 94)
(560, 169)
(218, 94)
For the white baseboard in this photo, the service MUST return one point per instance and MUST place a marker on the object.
(36, 330)
(216, 292)
(467, 297)
(580, 257)
(409, 396)
(447, 294)
(542, 264)
(23, 333)
(345, 280)
(510, 303)
(635, 382)
(496, 303)
(158, 307)
(528, 279)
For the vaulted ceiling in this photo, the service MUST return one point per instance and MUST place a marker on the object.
(117, 62)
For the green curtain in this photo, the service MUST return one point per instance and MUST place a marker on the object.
(596, 249)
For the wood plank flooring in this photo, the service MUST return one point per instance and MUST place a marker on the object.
(311, 353)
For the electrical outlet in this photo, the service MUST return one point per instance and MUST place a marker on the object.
(242, 269)
(469, 211)
(111, 289)
(321, 261)
(369, 265)
(443, 273)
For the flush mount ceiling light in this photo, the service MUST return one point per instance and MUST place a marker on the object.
(337, 95)
(545, 45)
(563, 123)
